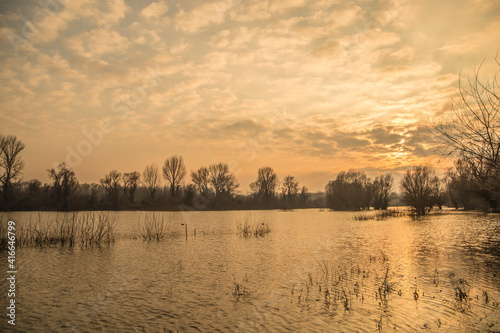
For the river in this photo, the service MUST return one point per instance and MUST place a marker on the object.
(315, 271)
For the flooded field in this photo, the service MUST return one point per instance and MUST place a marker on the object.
(314, 271)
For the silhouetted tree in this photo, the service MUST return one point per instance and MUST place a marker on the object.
(34, 185)
(418, 189)
(189, 193)
(222, 180)
(11, 165)
(463, 189)
(130, 183)
(381, 189)
(303, 196)
(174, 171)
(265, 186)
(349, 191)
(289, 191)
(34, 195)
(151, 179)
(64, 185)
(289, 187)
(200, 179)
(111, 183)
(439, 193)
(90, 194)
(472, 133)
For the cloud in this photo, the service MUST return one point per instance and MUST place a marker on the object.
(111, 13)
(359, 80)
(330, 49)
(473, 40)
(248, 11)
(98, 42)
(155, 10)
(202, 16)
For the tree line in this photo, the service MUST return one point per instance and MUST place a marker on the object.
(211, 187)
(471, 135)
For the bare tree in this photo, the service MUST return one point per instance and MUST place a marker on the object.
(265, 185)
(463, 189)
(222, 180)
(64, 185)
(289, 187)
(418, 189)
(151, 179)
(349, 191)
(174, 171)
(111, 183)
(130, 183)
(200, 179)
(303, 196)
(472, 132)
(381, 189)
(11, 165)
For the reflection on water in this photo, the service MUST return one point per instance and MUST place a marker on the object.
(315, 271)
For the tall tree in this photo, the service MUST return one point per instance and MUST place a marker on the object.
(222, 180)
(11, 165)
(381, 189)
(418, 189)
(349, 191)
(289, 187)
(472, 132)
(111, 183)
(130, 183)
(64, 185)
(174, 171)
(463, 189)
(151, 179)
(265, 185)
(303, 196)
(200, 180)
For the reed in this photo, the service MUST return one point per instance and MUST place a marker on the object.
(390, 213)
(251, 227)
(155, 228)
(96, 228)
(68, 229)
(461, 288)
(386, 287)
(239, 288)
(381, 215)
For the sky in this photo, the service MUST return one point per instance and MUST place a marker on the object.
(310, 88)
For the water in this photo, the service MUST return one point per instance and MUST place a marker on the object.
(179, 285)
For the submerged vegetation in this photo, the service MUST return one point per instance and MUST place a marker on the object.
(381, 215)
(69, 229)
(332, 287)
(252, 227)
(155, 227)
(240, 289)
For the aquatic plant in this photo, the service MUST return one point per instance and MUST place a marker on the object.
(250, 227)
(390, 213)
(462, 292)
(386, 287)
(154, 228)
(381, 215)
(96, 228)
(68, 229)
(239, 288)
